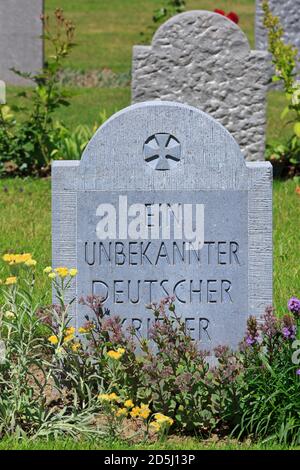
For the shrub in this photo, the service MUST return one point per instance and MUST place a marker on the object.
(105, 380)
(286, 156)
(269, 393)
(30, 137)
(168, 9)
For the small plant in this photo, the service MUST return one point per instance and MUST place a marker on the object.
(286, 156)
(26, 146)
(269, 392)
(168, 9)
(103, 380)
(231, 15)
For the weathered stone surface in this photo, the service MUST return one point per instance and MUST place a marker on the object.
(167, 153)
(21, 46)
(203, 59)
(289, 14)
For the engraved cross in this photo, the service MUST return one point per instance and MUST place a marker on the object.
(164, 148)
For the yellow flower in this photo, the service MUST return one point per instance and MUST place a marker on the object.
(129, 404)
(68, 338)
(82, 330)
(76, 346)
(135, 412)
(53, 339)
(48, 270)
(52, 275)
(12, 259)
(10, 281)
(122, 412)
(121, 351)
(9, 315)
(116, 355)
(23, 258)
(113, 397)
(30, 263)
(62, 272)
(145, 411)
(155, 425)
(70, 331)
(103, 397)
(73, 272)
(8, 257)
(162, 419)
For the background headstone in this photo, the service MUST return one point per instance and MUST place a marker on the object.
(21, 45)
(167, 153)
(289, 13)
(204, 59)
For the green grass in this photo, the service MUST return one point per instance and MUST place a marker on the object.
(25, 222)
(106, 30)
(170, 444)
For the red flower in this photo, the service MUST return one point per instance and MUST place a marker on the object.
(221, 12)
(233, 17)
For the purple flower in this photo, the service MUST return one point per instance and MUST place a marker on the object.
(250, 340)
(294, 306)
(288, 327)
(289, 333)
(298, 371)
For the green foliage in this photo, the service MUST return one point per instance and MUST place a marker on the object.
(132, 387)
(269, 399)
(285, 156)
(27, 370)
(26, 147)
(169, 9)
(162, 14)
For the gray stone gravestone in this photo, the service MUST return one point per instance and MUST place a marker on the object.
(204, 59)
(161, 204)
(21, 45)
(289, 13)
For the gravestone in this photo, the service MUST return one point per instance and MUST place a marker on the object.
(162, 204)
(289, 13)
(21, 45)
(204, 59)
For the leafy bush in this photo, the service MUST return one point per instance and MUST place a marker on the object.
(168, 9)
(286, 156)
(269, 399)
(105, 380)
(30, 137)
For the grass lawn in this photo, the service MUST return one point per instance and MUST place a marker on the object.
(25, 221)
(106, 30)
(170, 444)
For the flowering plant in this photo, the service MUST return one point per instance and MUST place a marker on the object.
(231, 15)
(284, 156)
(100, 379)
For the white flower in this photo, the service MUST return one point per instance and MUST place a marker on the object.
(9, 315)
(296, 94)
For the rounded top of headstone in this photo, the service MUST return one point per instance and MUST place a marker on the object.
(205, 31)
(156, 141)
